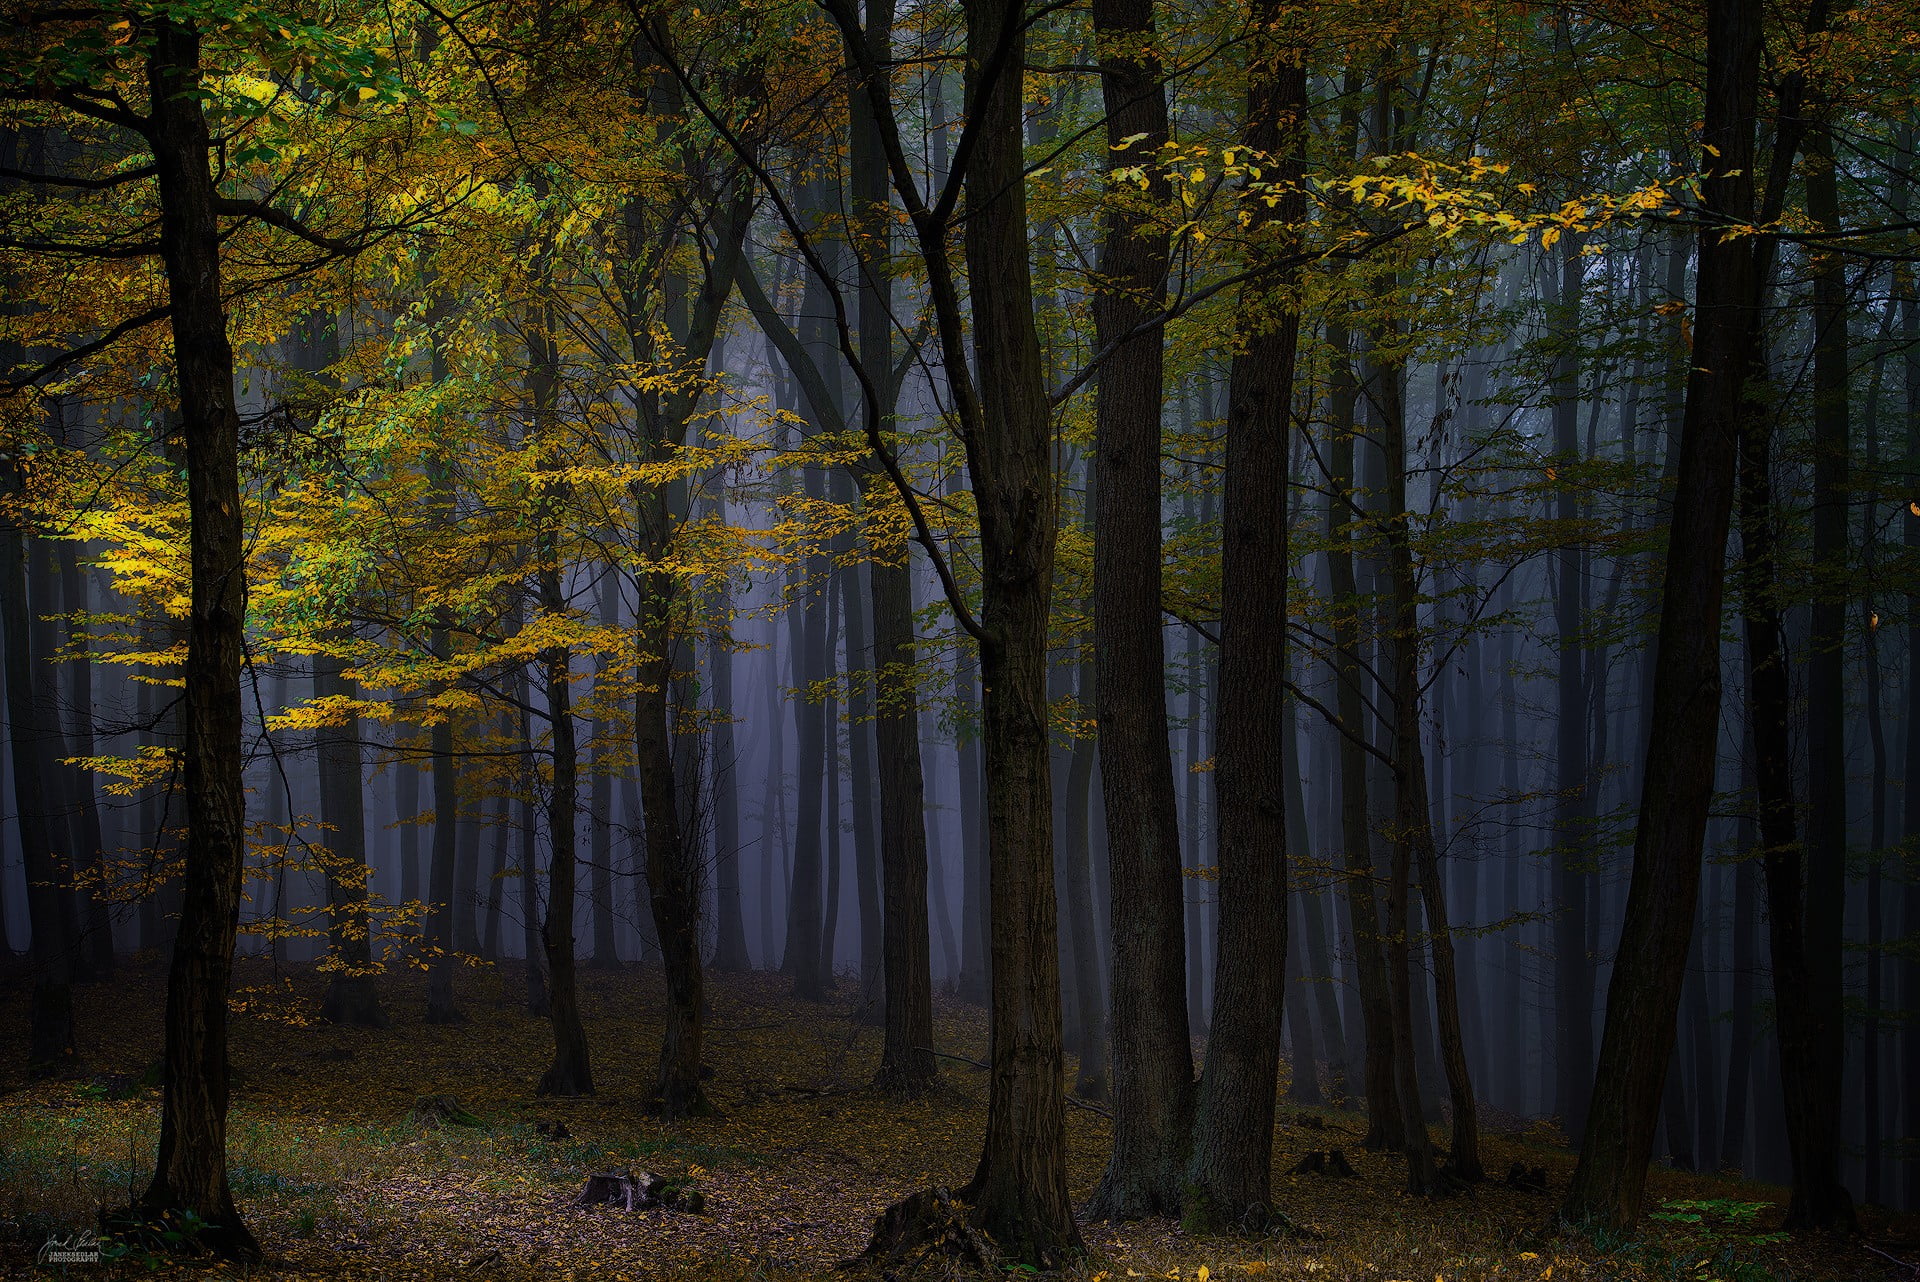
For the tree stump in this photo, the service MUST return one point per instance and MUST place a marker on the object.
(1525, 1180)
(633, 1190)
(441, 1110)
(926, 1228)
(1314, 1163)
(641, 1190)
(1338, 1166)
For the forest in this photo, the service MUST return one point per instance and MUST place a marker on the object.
(1117, 638)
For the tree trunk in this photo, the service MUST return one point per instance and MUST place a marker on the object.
(1643, 995)
(805, 925)
(406, 794)
(352, 997)
(1019, 1190)
(1820, 1199)
(1411, 825)
(570, 1073)
(606, 951)
(530, 916)
(860, 776)
(1089, 1036)
(190, 1169)
(1910, 793)
(1574, 803)
(441, 859)
(50, 1043)
(75, 592)
(1345, 521)
(976, 958)
(1733, 1133)
(1230, 1172)
(729, 925)
(1152, 1057)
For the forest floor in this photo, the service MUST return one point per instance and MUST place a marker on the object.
(336, 1182)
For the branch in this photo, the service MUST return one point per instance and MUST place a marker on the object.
(84, 184)
(78, 354)
(285, 222)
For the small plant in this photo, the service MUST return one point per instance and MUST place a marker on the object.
(1719, 1219)
(1713, 1231)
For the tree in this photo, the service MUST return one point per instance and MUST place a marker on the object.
(1643, 995)
(1152, 1061)
(1230, 1174)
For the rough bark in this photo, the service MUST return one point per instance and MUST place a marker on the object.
(1644, 993)
(1019, 1190)
(1385, 1128)
(190, 1169)
(1153, 1084)
(1231, 1169)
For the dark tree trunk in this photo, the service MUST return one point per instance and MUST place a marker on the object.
(1345, 519)
(907, 1065)
(1303, 1085)
(1087, 1032)
(1463, 1160)
(673, 871)
(860, 777)
(1230, 1172)
(1574, 808)
(1019, 1191)
(530, 916)
(1872, 1033)
(906, 1057)
(406, 795)
(976, 958)
(50, 1043)
(352, 997)
(497, 883)
(1644, 994)
(1803, 1031)
(673, 855)
(1820, 1199)
(1910, 795)
(833, 852)
(805, 924)
(190, 1169)
(441, 859)
(570, 1073)
(90, 848)
(606, 951)
(1412, 824)
(729, 926)
(1152, 1057)
(1733, 1133)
